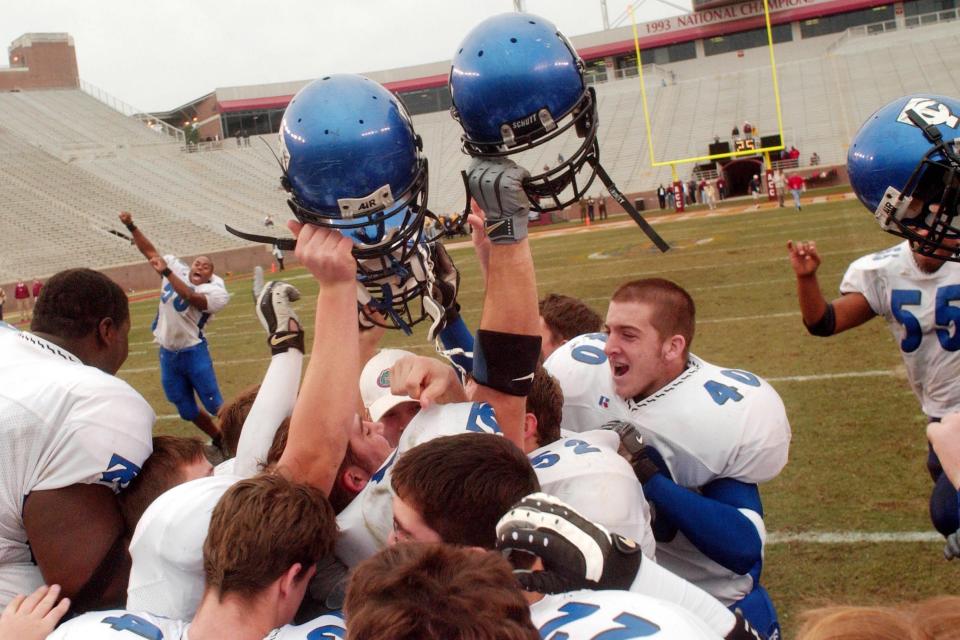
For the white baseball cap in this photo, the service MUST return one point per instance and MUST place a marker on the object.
(375, 383)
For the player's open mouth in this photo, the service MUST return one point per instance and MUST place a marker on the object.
(619, 369)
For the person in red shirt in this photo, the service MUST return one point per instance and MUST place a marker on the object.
(37, 286)
(22, 295)
(795, 184)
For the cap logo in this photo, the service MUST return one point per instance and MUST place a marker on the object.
(932, 112)
(383, 380)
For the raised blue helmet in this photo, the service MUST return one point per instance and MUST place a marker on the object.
(516, 82)
(353, 162)
(904, 167)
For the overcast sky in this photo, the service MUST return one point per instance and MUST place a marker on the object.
(160, 54)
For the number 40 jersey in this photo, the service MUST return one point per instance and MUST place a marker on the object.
(708, 423)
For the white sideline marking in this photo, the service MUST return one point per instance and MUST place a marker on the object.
(785, 314)
(853, 537)
(833, 376)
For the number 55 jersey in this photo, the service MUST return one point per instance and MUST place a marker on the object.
(923, 312)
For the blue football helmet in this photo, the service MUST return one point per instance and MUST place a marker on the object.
(517, 82)
(904, 167)
(352, 161)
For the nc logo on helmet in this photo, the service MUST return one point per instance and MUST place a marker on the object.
(931, 111)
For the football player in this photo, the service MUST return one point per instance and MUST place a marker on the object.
(189, 297)
(72, 436)
(266, 534)
(904, 169)
(563, 318)
(456, 489)
(713, 435)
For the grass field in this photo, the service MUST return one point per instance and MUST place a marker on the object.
(857, 458)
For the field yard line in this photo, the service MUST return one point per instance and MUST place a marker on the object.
(834, 376)
(853, 537)
(764, 316)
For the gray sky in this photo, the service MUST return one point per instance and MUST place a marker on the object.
(157, 55)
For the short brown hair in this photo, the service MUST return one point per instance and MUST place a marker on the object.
(162, 471)
(674, 310)
(462, 485)
(232, 416)
(260, 528)
(569, 317)
(545, 401)
(857, 623)
(436, 592)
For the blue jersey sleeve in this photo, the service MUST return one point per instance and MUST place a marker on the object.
(711, 519)
(456, 335)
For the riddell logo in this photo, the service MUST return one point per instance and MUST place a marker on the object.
(932, 112)
(383, 380)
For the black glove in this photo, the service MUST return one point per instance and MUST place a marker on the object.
(275, 313)
(497, 186)
(742, 629)
(576, 553)
(952, 549)
(639, 454)
(446, 281)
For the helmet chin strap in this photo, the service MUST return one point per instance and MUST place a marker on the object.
(627, 205)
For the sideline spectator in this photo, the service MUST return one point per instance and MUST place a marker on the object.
(3, 298)
(736, 132)
(711, 194)
(590, 205)
(662, 196)
(747, 129)
(22, 295)
(721, 187)
(583, 209)
(755, 190)
(37, 287)
(814, 159)
(671, 198)
(796, 184)
(780, 184)
(278, 256)
(602, 206)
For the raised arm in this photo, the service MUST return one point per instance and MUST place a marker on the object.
(508, 343)
(822, 318)
(329, 396)
(194, 298)
(143, 243)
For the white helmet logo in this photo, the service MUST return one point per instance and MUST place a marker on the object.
(932, 112)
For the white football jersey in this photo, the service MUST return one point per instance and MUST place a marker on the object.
(708, 423)
(119, 624)
(180, 325)
(329, 626)
(587, 473)
(585, 615)
(920, 311)
(61, 423)
(367, 522)
(580, 367)
(166, 575)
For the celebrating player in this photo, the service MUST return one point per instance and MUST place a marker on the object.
(714, 434)
(189, 296)
(900, 170)
(72, 436)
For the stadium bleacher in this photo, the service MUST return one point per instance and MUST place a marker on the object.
(69, 162)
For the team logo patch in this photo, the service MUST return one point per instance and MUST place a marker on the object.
(383, 380)
(604, 402)
(932, 112)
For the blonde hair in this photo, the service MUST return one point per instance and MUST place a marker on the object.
(857, 623)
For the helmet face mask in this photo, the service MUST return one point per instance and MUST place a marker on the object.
(352, 162)
(517, 83)
(904, 167)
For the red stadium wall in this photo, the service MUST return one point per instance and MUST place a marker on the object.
(41, 61)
